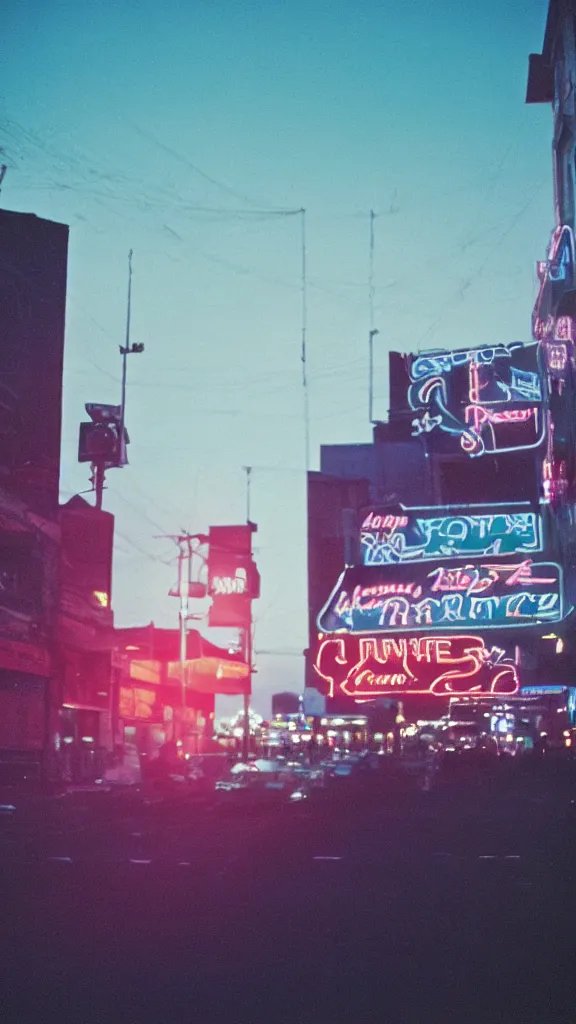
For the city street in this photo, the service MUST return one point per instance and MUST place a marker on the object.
(455, 905)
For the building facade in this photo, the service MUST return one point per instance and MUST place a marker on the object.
(56, 624)
(33, 272)
(83, 699)
(468, 585)
(552, 79)
(150, 698)
(462, 591)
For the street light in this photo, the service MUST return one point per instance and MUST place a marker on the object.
(127, 350)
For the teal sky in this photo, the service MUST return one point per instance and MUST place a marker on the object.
(169, 128)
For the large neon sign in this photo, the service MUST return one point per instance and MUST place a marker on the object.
(415, 536)
(489, 399)
(364, 668)
(413, 598)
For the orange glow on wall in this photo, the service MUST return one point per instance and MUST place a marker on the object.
(146, 671)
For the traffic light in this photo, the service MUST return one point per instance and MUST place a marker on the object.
(99, 440)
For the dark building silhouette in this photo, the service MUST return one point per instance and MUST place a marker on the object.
(33, 271)
(286, 703)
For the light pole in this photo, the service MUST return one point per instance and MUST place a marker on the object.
(125, 351)
(373, 332)
(184, 592)
(248, 642)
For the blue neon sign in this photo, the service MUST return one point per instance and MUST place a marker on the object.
(490, 398)
(447, 597)
(411, 535)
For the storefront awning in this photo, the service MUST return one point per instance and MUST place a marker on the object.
(213, 675)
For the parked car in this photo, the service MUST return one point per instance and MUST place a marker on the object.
(259, 784)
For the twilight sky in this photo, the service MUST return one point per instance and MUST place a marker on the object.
(185, 131)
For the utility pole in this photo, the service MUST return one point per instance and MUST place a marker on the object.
(99, 474)
(185, 553)
(247, 642)
(105, 447)
(248, 471)
(183, 590)
(372, 331)
(248, 693)
(126, 350)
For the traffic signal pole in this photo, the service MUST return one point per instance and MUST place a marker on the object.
(248, 693)
(99, 470)
(185, 555)
(247, 640)
(182, 619)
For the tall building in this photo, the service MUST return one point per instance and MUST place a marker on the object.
(552, 79)
(33, 268)
(82, 733)
(33, 271)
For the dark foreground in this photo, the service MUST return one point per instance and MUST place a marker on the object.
(457, 905)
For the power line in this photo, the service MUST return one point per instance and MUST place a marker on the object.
(141, 550)
(198, 170)
(136, 508)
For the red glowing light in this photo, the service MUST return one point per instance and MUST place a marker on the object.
(374, 521)
(364, 668)
(478, 415)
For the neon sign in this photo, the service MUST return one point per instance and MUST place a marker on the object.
(556, 275)
(364, 668)
(388, 539)
(237, 584)
(438, 362)
(493, 595)
(488, 398)
(562, 328)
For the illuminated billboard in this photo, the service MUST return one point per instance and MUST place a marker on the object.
(472, 401)
(423, 535)
(364, 668)
(487, 595)
(233, 579)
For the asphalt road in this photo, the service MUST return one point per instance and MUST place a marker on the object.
(454, 906)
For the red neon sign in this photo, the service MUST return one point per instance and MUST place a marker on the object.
(364, 668)
(477, 415)
(389, 522)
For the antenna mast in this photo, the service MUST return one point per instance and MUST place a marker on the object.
(372, 331)
(304, 289)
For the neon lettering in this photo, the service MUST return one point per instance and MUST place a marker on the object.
(475, 418)
(424, 539)
(443, 362)
(384, 522)
(564, 329)
(230, 584)
(364, 668)
(496, 594)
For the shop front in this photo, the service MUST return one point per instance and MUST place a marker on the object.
(149, 708)
(83, 738)
(24, 691)
(149, 705)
